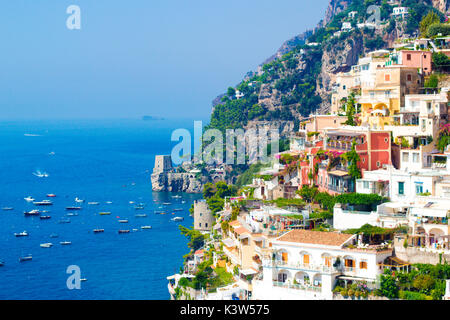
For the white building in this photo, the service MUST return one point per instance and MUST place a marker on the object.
(346, 26)
(400, 12)
(306, 265)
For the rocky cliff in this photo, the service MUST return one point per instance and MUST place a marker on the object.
(176, 182)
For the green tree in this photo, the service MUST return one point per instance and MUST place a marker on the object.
(208, 190)
(430, 19)
(388, 286)
(196, 238)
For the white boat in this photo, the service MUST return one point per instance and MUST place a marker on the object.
(131, 202)
(43, 203)
(78, 200)
(46, 245)
(177, 219)
(146, 227)
(52, 153)
(94, 203)
(65, 243)
(29, 199)
(108, 202)
(41, 174)
(123, 221)
(7, 208)
(176, 197)
(83, 279)
(21, 234)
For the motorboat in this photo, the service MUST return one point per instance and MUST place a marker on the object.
(139, 207)
(78, 200)
(178, 209)
(73, 208)
(54, 235)
(123, 221)
(167, 203)
(29, 199)
(71, 214)
(26, 258)
(46, 245)
(176, 197)
(32, 213)
(104, 213)
(65, 243)
(177, 219)
(146, 227)
(41, 174)
(108, 202)
(98, 230)
(94, 203)
(131, 202)
(44, 217)
(183, 201)
(21, 234)
(43, 203)
(124, 231)
(51, 195)
(143, 215)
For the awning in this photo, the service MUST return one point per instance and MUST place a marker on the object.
(243, 236)
(228, 242)
(339, 173)
(247, 272)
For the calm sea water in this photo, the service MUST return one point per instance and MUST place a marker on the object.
(108, 160)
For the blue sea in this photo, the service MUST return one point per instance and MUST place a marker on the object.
(97, 161)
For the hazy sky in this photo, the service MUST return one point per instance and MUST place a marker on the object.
(167, 58)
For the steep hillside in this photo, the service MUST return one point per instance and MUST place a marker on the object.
(297, 79)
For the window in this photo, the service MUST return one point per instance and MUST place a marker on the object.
(419, 188)
(401, 188)
(200, 225)
(363, 265)
(328, 261)
(415, 157)
(409, 77)
(206, 225)
(306, 259)
(378, 164)
(366, 184)
(387, 77)
(405, 157)
(349, 263)
(408, 57)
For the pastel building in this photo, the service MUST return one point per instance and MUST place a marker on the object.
(412, 58)
(306, 265)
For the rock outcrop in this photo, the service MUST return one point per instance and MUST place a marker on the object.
(176, 182)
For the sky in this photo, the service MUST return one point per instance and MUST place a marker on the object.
(167, 58)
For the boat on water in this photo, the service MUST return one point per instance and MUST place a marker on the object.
(7, 208)
(123, 221)
(183, 201)
(78, 200)
(52, 153)
(108, 202)
(44, 217)
(124, 231)
(139, 207)
(32, 213)
(94, 203)
(41, 174)
(51, 195)
(73, 208)
(177, 219)
(43, 203)
(46, 245)
(131, 202)
(178, 209)
(1, 263)
(65, 243)
(176, 197)
(98, 230)
(70, 214)
(26, 258)
(29, 199)
(167, 203)
(104, 213)
(21, 234)
(143, 215)
(146, 227)
(83, 279)
(54, 235)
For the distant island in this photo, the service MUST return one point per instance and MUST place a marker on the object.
(146, 118)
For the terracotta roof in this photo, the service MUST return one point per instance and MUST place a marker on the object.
(316, 237)
(241, 230)
(199, 252)
(339, 173)
(234, 223)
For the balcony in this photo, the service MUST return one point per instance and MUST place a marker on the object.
(296, 286)
(299, 266)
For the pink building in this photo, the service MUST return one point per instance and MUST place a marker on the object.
(413, 59)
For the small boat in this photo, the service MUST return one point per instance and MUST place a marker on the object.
(41, 174)
(29, 199)
(143, 215)
(131, 202)
(64, 221)
(26, 258)
(44, 217)
(123, 221)
(21, 234)
(51, 195)
(78, 200)
(104, 213)
(32, 213)
(178, 209)
(43, 203)
(159, 212)
(70, 214)
(183, 201)
(108, 202)
(124, 231)
(73, 208)
(54, 235)
(146, 227)
(65, 243)
(177, 219)
(94, 203)
(7, 208)
(1, 263)
(138, 208)
(167, 203)
(98, 230)
(83, 279)
(46, 245)
(176, 197)
(52, 153)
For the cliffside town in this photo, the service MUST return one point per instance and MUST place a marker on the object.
(358, 206)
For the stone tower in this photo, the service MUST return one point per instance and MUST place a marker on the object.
(203, 217)
(163, 163)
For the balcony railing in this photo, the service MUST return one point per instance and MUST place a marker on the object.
(299, 266)
(296, 286)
